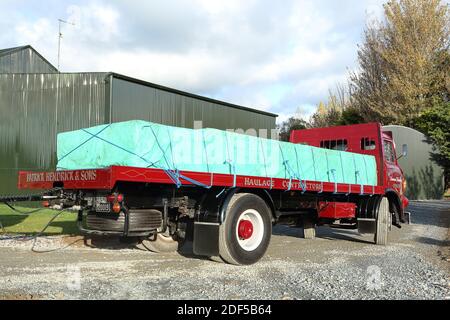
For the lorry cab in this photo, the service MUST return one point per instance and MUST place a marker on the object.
(370, 139)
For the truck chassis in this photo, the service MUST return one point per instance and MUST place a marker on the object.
(225, 215)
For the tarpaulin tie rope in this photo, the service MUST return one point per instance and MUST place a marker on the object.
(299, 167)
(292, 174)
(159, 145)
(174, 174)
(150, 164)
(86, 141)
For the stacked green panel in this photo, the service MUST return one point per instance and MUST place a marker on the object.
(145, 144)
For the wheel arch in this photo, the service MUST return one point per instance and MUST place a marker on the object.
(394, 200)
(262, 193)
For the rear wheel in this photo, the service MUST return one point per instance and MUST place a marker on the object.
(382, 222)
(245, 234)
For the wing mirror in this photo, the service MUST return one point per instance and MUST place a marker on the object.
(404, 151)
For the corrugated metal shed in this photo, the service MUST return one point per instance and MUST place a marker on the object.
(424, 178)
(136, 99)
(24, 59)
(36, 106)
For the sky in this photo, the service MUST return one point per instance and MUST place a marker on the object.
(279, 56)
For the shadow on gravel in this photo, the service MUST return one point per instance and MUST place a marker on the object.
(435, 242)
(324, 232)
(340, 234)
(117, 243)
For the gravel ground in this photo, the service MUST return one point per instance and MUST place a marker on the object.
(338, 264)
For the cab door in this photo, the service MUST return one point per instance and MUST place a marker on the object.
(394, 175)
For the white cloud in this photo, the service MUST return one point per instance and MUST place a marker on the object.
(256, 53)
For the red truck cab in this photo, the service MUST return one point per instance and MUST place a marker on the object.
(370, 139)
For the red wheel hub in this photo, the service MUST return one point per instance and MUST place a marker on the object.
(245, 229)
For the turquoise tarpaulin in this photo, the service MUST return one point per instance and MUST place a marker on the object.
(150, 145)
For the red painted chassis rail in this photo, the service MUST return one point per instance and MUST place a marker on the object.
(107, 178)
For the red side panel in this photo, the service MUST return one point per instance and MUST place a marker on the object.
(336, 210)
(107, 178)
(69, 179)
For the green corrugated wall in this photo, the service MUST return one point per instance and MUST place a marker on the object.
(35, 107)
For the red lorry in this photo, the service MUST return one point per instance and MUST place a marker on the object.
(232, 216)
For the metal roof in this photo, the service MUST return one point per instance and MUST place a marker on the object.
(7, 51)
(187, 94)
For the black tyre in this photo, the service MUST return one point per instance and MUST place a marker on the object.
(382, 222)
(245, 234)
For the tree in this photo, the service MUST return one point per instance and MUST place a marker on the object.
(351, 115)
(401, 62)
(337, 111)
(326, 115)
(434, 123)
(290, 124)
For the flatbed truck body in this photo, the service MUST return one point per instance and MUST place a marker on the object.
(228, 215)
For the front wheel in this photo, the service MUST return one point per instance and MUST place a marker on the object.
(382, 222)
(245, 233)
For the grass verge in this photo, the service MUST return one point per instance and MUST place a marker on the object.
(16, 223)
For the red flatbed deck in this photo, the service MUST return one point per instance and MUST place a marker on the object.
(106, 179)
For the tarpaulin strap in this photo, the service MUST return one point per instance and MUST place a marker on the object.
(299, 167)
(206, 152)
(321, 187)
(362, 187)
(365, 168)
(265, 164)
(89, 139)
(229, 161)
(264, 158)
(314, 164)
(349, 189)
(334, 179)
(233, 170)
(175, 176)
(195, 182)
